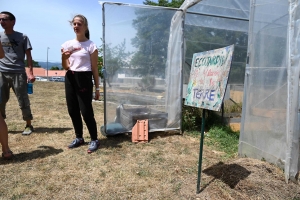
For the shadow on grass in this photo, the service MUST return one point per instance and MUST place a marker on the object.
(115, 140)
(44, 130)
(162, 134)
(41, 152)
(229, 174)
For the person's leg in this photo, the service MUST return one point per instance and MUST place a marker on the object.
(6, 152)
(5, 83)
(85, 96)
(3, 135)
(72, 104)
(20, 89)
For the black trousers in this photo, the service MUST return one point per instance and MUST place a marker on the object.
(79, 95)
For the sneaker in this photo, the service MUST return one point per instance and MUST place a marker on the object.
(28, 130)
(94, 145)
(76, 143)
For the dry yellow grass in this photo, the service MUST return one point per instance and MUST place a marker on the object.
(164, 168)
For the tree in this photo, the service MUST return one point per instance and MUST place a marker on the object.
(116, 59)
(151, 40)
(100, 60)
(34, 63)
(54, 68)
(100, 65)
(165, 3)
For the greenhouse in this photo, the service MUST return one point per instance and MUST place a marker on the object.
(148, 52)
(270, 119)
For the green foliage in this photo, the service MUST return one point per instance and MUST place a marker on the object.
(100, 60)
(224, 139)
(213, 118)
(147, 83)
(34, 64)
(165, 3)
(151, 41)
(100, 66)
(218, 135)
(191, 118)
(231, 107)
(54, 68)
(116, 59)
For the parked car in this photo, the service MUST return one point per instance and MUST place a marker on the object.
(37, 78)
(57, 79)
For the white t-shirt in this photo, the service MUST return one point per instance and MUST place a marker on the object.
(80, 59)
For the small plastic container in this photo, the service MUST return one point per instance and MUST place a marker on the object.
(29, 87)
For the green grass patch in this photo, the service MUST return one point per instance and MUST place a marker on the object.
(224, 139)
(221, 137)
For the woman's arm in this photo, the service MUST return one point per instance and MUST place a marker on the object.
(65, 55)
(1, 51)
(94, 60)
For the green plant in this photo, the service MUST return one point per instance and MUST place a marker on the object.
(232, 107)
(224, 139)
(191, 118)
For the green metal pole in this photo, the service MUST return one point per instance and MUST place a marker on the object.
(201, 151)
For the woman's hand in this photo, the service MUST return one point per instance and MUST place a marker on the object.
(97, 95)
(65, 55)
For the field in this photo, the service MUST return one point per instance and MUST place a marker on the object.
(163, 168)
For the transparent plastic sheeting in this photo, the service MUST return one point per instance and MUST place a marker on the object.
(208, 24)
(145, 59)
(228, 8)
(270, 118)
(213, 24)
(138, 84)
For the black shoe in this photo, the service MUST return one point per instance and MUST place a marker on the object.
(76, 143)
(94, 145)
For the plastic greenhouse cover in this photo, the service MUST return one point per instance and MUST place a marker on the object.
(227, 8)
(135, 62)
(216, 22)
(270, 118)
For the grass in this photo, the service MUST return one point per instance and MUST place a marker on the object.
(218, 135)
(221, 138)
(164, 168)
(224, 139)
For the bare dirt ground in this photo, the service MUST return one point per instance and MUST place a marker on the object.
(163, 168)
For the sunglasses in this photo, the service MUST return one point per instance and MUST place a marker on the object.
(3, 19)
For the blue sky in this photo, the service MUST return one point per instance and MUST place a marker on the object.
(46, 22)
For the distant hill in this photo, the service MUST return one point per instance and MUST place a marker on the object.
(50, 64)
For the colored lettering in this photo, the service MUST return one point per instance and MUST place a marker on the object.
(204, 94)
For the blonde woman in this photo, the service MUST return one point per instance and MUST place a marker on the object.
(79, 58)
